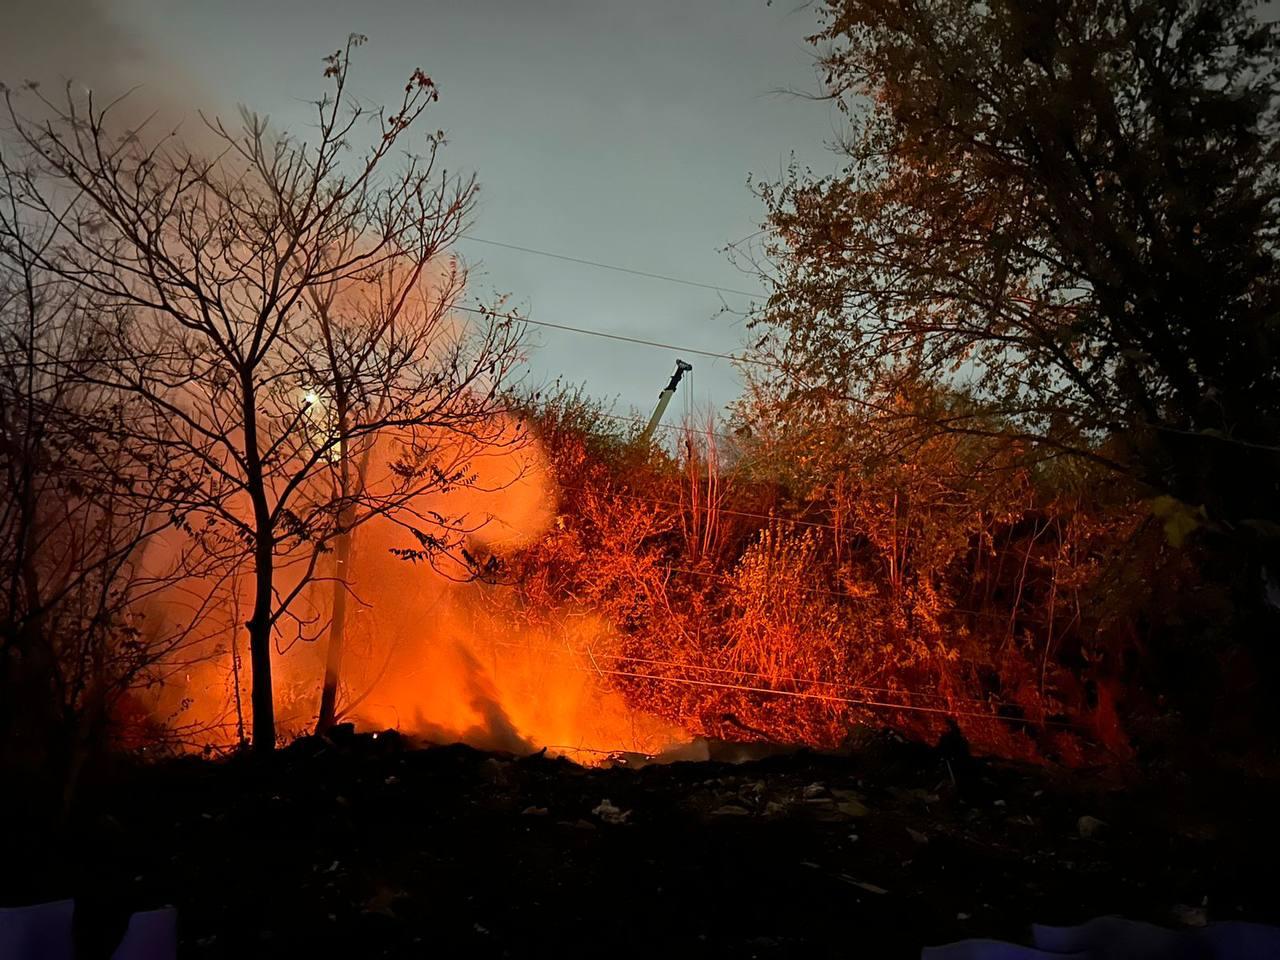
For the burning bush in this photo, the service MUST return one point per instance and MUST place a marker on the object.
(954, 585)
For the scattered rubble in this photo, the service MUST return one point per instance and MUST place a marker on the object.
(1186, 916)
(1089, 827)
(607, 812)
(852, 808)
(365, 849)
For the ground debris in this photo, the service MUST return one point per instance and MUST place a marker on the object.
(1089, 827)
(708, 855)
(869, 887)
(1188, 916)
(607, 812)
(852, 808)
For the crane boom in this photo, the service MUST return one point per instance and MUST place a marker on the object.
(664, 398)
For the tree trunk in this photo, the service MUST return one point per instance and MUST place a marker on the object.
(338, 623)
(264, 711)
(260, 623)
(337, 630)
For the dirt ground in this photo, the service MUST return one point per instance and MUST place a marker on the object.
(365, 847)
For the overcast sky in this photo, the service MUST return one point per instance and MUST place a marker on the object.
(613, 130)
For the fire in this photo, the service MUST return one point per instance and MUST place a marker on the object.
(624, 616)
(431, 650)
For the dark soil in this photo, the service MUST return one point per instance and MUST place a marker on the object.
(367, 848)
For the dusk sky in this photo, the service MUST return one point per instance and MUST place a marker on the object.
(608, 130)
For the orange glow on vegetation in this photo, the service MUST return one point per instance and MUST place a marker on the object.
(637, 608)
(430, 650)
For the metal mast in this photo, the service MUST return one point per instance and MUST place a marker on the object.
(664, 398)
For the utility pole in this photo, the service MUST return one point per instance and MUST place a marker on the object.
(664, 398)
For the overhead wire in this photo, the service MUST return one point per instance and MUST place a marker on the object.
(680, 280)
(611, 266)
(635, 272)
(740, 672)
(587, 331)
(737, 358)
(803, 695)
(643, 341)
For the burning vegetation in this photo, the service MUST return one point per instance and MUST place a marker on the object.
(989, 478)
(744, 603)
(1004, 478)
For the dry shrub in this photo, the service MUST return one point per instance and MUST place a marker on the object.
(750, 605)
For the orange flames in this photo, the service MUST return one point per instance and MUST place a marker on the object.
(624, 629)
(429, 651)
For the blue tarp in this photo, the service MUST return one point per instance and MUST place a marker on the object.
(44, 932)
(1111, 938)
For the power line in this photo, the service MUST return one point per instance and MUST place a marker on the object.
(732, 671)
(737, 358)
(610, 266)
(515, 317)
(829, 698)
(800, 695)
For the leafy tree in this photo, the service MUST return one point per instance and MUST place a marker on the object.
(1066, 213)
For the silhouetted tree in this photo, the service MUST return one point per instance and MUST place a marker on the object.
(80, 508)
(1066, 214)
(391, 351)
(214, 267)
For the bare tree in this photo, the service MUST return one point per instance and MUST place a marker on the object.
(78, 509)
(217, 268)
(390, 352)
